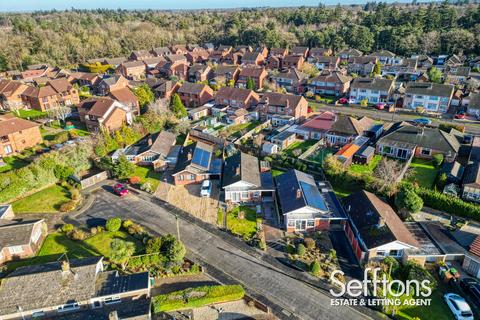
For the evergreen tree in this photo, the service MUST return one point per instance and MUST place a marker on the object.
(177, 107)
(250, 84)
(377, 69)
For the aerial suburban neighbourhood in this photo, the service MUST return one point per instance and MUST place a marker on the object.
(315, 162)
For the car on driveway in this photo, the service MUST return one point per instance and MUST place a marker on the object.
(343, 101)
(120, 189)
(460, 115)
(206, 189)
(471, 287)
(422, 121)
(459, 307)
(380, 105)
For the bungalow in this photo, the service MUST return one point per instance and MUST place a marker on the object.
(223, 74)
(199, 73)
(74, 289)
(292, 80)
(196, 162)
(115, 82)
(347, 152)
(17, 134)
(325, 63)
(471, 183)
(195, 94)
(274, 104)
(306, 206)
(345, 129)
(11, 94)
(431, 96)
(405, 140)
(198, 113)
(284, 139)
(152, 150)
(386, 57)
(160, 51)
(242, 180)
(236, 97)
(132, 70)
(373, 90)
(374, 230)
(19, 239)
(106, 113)
(346, 54)
(126, 97)
(253, 58)
(300, 51)
(316, 127)
(257, 74)
(330, 83)
(454, 172)
(362, 66)
(293, 61)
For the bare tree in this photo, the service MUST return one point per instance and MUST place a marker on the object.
(59, 113)
(387, 173)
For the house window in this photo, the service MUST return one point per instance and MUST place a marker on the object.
(16, 249)
(426, 152)
(245, 195)
(291, 223)
(36, 235)
(300, 225)
(8, 149)
(381, 253)
(395, 253)
(311, 223)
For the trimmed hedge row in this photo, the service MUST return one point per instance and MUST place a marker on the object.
(193, 298)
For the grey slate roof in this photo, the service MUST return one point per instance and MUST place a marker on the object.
(347, 126)
(472, 174)
(372, 84)
(241, 167)
(14, 233)
(430, 89)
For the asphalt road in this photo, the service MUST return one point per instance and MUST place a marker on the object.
(470, 126)
(297, 299)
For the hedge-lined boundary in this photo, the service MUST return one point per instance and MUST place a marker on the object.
(197, 297)
(449, 204)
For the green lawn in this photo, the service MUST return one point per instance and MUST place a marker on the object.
(246, 227)
(437, 310)
(235, 130)
(31, 114)
(147, 174)
(302, 145)
(13, 162)
(425, 173)
(320, 156)
(47, 200)
(367, 168)
(57, 243)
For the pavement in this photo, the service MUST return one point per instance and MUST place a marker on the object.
(288, 297)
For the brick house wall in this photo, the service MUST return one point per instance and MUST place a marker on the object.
(184, 178)
(20, 140)
(29, 249)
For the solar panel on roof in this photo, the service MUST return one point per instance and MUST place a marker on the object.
(313, 196)
(201, 157)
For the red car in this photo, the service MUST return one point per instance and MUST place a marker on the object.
(343, 101)
(380, 106)
(120, 189)
(460, 115)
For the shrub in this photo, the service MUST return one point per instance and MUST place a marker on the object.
(134, 180)
(407, 199)
(290, 249)
(78, 235)
(135, 229)
(315, 267)
(113, 224)
(309, 243)
(93, 230)
(147, 187)
(68, 206)
(195, 268)
(301, 250)
(67, 227)
(75, 194)
(62, 172)
(392, 264)
(437, 159)
(154, 245)
(127, 224)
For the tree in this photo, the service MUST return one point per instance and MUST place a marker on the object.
(122, 168)
(377, 69)
(408, 200)
(438, 159)
(175, 251)
(250, 84)
(63, 172)
(301, 250)
(154, 245)
(121, 251)
(178, 107)
(387, 173)
(59, 113)
(315, 267)
(435, 75)
(144, 95)
(113, 224)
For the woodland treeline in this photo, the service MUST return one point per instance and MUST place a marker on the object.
(69, 37)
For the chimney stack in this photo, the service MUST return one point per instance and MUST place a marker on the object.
(150, 142)
(237, 171)
(65, 266)
(299, 193)
(189, 156)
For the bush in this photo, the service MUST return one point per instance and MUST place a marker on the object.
(154, 245)
(113, 224)
(67, 227)
(301, 250)
(68, 206)
(147, 187)
(134, 180)
(438, 159)
(309, 243)
(78, 235)
(315, 267)
(63, 172)
(291, 249)
(407, 199)
(75, 194)
(127, 224)
(135, 229)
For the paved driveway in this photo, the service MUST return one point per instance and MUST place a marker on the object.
(289, 297)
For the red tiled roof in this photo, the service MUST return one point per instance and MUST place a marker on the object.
(322, 122)
(475, 246)
(10, 124)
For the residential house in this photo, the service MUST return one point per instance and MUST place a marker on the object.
(300, 51)
(274, 105)
(293, 61)
(109, 84)
(114, 62)
(57, 92)
(373, 90)
(31, 74)
(475, 63)
(176, 58)
(236, 97)
(139, 55)
(196, 162)
(19, 239)
(275, 59)
(292, 80)
(325, 63)
(431, 96)
(179, 49)
(67, 94)
(316, 127)
(405, 141)
(160, 51)
(224, 74)
(126, 97)
(362, 66)
(472, 103)
(198, 56)
(74, 289)
(132, 70)
(406, 68)
(262, 50)
(471, 182)
(17, 134)
(424, 62)
(166, 88)
(374, 230)
(11, 94)
(105, 113)
(455, 61)
(306, 205)
(346, 153)
(454, 172)
(253, 58)
(177, 69)
(257, 74)
(243, 182)
(195, 94)
(315, 53)
(284, 139)
(219, 55)
(457, 75)
(198, 113)
(85, 79)
(471, 263)
(152, 150)
(346, 54)
(199, 73)
(346, 128)
(386, 57)
(330, 83)
(151, 63)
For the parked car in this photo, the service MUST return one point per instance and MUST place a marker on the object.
(343, 101)
(422, 121)
(460, 115)
(120, 189)
(459, 307)
(206, 189)
(471, 287)
(352, 101)
(380, 105)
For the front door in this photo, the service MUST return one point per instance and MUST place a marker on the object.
(300, 225)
